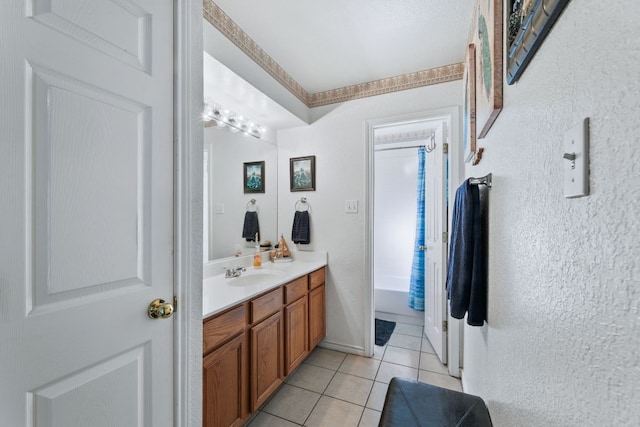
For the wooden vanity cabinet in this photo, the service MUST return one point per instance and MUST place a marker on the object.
(225, 369)
(296, 323)
(251, 348)
(267, 347)
(317, 307)
(224, 384)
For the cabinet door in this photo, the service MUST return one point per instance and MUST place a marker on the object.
(225, 385)
(296, 333)
(317, 323)
(267, 370)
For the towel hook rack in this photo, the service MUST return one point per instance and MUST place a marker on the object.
(484, 180)
(253, 203)
(432, 145)
(303, 200)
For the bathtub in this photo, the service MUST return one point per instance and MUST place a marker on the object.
(391, 294)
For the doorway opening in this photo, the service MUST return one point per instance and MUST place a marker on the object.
(396, 178)
(392, 223)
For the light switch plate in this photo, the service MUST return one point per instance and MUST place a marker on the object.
(576, 160)
(351, 206)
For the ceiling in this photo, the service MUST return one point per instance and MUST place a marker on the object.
(307, 53)
(225, 88)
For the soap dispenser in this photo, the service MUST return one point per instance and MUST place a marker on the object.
(257, 257)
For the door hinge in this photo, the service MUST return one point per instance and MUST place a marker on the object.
(445, 325)
(445, 148)
(445, 237)
(175, 303)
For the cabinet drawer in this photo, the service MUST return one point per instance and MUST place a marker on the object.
(266, 305)
(222, 327)
(295, 289)
(316, 278)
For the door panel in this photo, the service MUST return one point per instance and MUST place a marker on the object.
(225, 393)
(296, 333)
(267, 359)
(435, 225)
(128, 41)
(88, 198)
(114, 386)
(317, 316)
(87, 212)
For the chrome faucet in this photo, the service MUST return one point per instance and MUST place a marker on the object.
(233, 272)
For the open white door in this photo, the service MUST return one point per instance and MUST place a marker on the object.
(435, 310)
(86, 214)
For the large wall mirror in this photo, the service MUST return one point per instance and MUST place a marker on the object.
(226, 202)
(227, 149)
(228, 146)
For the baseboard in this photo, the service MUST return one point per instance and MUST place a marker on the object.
(463, 381)
(352, 349)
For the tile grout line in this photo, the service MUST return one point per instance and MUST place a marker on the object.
(325, 389)
(372, 380)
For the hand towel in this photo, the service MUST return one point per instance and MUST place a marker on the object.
(467, 270)
(251, 226)
(301, 230)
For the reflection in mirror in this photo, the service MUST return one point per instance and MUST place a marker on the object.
(225, 201)
(225, 154)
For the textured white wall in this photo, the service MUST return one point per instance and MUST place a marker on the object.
(562, 344)
(338, 140)
(563, 338)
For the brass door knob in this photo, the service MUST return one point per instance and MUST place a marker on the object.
(159, 309)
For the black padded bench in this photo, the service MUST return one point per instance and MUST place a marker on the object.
(410, 403)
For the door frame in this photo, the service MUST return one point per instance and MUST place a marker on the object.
(451, 115)
(188, 137)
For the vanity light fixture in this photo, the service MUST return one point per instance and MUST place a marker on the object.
(234, 122)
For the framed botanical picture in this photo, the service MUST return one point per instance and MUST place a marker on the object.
(302, 173)
(254, 177)
(487, 39)
(469, 104)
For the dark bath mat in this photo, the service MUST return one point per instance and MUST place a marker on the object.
(384, 330)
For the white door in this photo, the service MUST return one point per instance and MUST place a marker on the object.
(86, 223)
(435, 305)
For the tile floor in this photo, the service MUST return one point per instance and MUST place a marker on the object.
(332, 388)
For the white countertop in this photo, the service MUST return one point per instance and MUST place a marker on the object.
(220, 293)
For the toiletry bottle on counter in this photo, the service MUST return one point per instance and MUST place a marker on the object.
(257, 257)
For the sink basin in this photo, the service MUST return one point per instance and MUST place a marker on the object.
(255, 276)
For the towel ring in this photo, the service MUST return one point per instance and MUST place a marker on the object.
(303, 201)
(253, 203)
